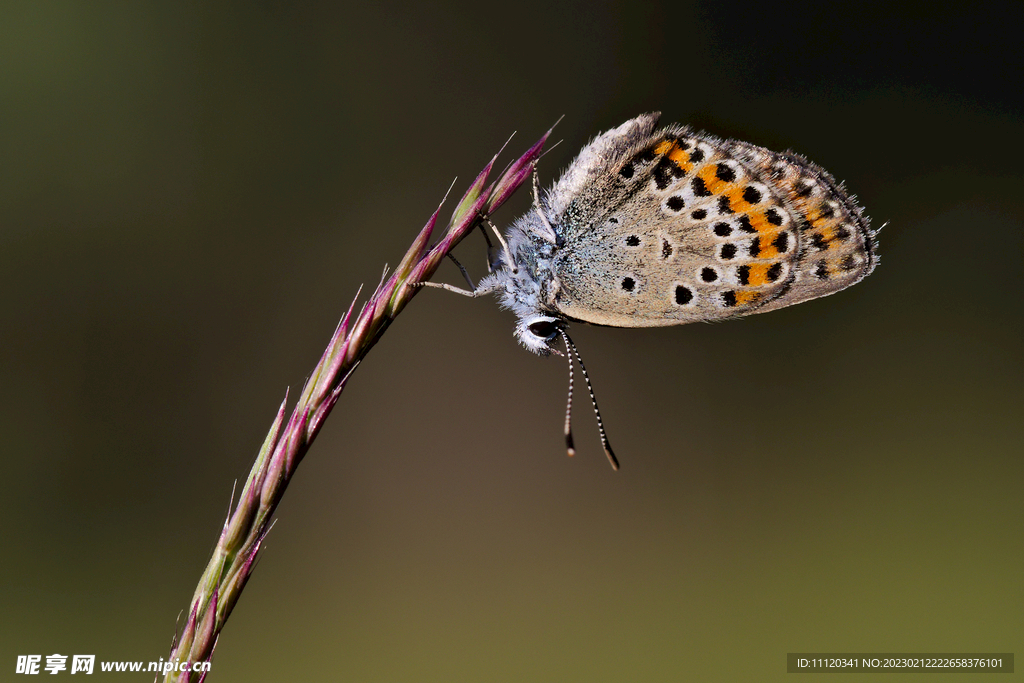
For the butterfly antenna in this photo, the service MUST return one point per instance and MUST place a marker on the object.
(597, 411)
(569, 446)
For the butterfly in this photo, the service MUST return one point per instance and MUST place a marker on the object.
(653, 227)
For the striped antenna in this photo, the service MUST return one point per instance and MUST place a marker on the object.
(569, 346)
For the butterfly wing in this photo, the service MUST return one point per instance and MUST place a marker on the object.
(837, 244)
(587, 175)
(669, 227)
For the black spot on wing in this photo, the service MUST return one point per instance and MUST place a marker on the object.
(700, 189)
(781, 242)
(743, 275)
(683, 295)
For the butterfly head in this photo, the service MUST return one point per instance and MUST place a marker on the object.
(539, 332)
(521, 276)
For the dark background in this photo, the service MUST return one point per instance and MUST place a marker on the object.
(190, 194)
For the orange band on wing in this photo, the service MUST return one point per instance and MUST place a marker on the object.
(714, 184)
(746, 296)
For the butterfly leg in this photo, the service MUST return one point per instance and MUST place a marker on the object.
(490, 249)
(472, 293)
(510, 262)
(462, 269)
(551, 236)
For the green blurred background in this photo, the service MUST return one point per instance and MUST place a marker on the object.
(190, 194)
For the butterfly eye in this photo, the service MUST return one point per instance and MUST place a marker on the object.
(545, 329)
